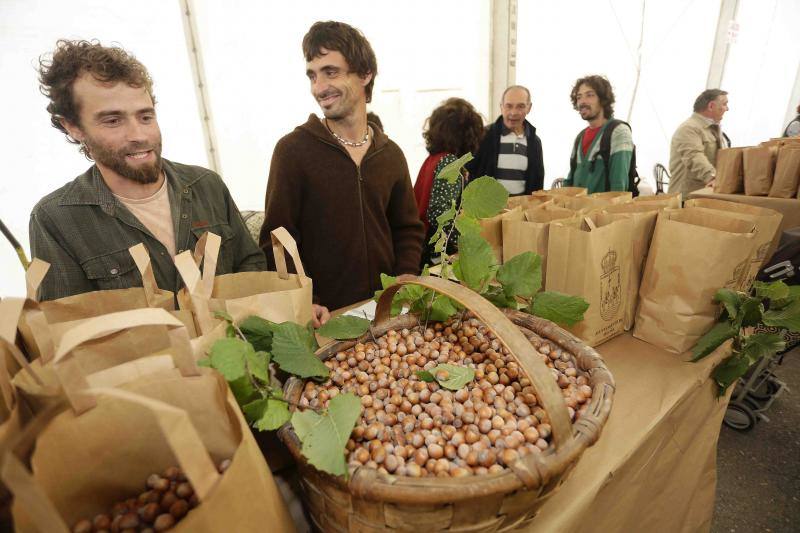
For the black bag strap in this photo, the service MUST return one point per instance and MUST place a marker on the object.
(573, 160)
(605, 147)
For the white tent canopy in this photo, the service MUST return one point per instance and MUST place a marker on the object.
(658, 54)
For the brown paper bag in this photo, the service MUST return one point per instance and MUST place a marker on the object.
(141, 417)
(42, 324)
(137, 433)
(275, 296)
(592, 261)
(582, 204)
(615, 197)
(759, 168)
(492, 230)
(730, 177)
(39, 384)
(767, 222)
(562, 191)
(643, 222)
(528, 200)
(787, 173)
(13, 412)
(669, 200)
(530, 234)
(694, 253)
(782, 141)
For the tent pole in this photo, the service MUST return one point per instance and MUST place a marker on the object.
(504, 51)
(794, 100)
(198, 71)
(719, 55)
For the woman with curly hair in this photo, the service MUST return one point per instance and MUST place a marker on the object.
(453, 129)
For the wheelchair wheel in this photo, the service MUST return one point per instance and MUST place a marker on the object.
(739, 416)
(765, 390)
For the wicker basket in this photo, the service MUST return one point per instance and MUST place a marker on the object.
(371, 501)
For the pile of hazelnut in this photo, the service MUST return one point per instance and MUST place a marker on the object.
(409, 427)
(167, 498)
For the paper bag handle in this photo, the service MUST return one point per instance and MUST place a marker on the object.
(142, 260)
(590, 223)
(10, 311)
(34, 277)
(282, 241)
(541, 378)
(175, 424)
(72, 378)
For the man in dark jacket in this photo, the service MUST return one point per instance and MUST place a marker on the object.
(511, 152)
(102, 98)
(339, 185)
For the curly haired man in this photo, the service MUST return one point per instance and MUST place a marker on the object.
(599, 166)
(102, 99)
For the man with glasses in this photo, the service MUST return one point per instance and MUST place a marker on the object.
(338, 184)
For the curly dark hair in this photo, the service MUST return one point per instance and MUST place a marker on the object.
(59, 70)
(348, 41)
(453, 127)
(602, 87)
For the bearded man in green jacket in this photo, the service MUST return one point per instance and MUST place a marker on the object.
(102, 99)
(593, 98)
(339, 185)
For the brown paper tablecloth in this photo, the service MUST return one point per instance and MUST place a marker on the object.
(654, 466)
(789, 207)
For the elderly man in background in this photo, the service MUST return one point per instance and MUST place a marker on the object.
(511, 152)
(693, 151)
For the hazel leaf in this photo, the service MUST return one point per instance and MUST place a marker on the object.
(258, 332)
(344, 327)
(228, 355)
(483, 198)
(452, 377)
(267, 414)
(560, 308)
(293, 352)
(324, 436)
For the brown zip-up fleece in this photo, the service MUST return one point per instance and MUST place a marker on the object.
(351, 223)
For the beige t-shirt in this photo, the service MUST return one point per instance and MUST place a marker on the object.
(155, 213)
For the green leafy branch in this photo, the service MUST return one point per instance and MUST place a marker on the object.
(244, 358)
(516, 284)
(740, 313)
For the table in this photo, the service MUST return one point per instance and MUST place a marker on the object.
(654, 466)
(789, 207)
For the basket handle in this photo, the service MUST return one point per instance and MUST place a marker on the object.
(541, 378)
(72, 378)
(175, 424)
(283, 242)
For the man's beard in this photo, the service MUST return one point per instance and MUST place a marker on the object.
(339, 111)
(115, 160)
(588, 118)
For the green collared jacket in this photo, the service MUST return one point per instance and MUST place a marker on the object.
(84, 232)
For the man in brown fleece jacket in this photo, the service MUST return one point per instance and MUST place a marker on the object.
(339, 185)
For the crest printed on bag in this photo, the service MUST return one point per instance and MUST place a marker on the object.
(610, 286)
